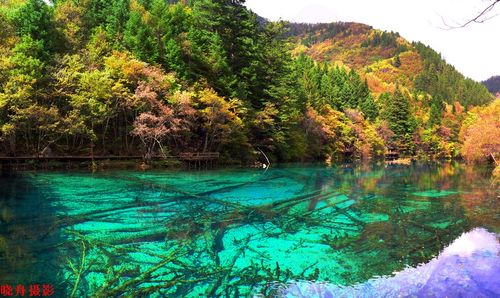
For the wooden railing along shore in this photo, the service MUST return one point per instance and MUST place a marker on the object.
(195, 159)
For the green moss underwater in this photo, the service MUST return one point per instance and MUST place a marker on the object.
(233, 232)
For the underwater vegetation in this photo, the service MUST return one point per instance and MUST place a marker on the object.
(233, 232)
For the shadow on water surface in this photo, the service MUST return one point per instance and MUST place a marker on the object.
(28, 239)
(237, 232)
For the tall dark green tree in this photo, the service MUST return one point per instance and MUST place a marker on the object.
(117, 15)
(35, 19)
(240, 36)
(399, 115)
(170, 24)
(436, 112)
(138, 38)
(369, 108)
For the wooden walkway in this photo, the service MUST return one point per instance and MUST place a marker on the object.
(392, 155)
(183, 156)
(66, 158)
(195, 156)
(196, 159)
(200, 160)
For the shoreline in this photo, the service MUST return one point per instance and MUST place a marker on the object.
(177, 164)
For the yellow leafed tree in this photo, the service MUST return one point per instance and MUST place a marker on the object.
(481, 133)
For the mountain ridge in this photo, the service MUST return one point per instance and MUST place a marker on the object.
(384, 58)
(493, 85)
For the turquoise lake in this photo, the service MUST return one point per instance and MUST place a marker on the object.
(233, 232)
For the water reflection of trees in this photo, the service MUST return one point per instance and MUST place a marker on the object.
(369, 222)
(27, 254)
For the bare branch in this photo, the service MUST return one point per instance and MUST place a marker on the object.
(481, 17)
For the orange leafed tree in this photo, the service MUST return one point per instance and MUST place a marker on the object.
(481, 133)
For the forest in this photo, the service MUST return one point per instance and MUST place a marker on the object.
(155, 77)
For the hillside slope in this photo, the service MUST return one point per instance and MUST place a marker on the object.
(386, 59)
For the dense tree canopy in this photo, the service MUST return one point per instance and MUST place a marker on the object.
(157, 77)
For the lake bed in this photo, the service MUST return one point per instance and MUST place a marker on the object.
(234, 232)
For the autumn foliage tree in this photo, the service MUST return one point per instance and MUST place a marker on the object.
(153, 129)
(220, 119)
(129, 76)
(481, 133)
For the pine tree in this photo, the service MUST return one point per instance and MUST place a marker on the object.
(242, 42)
(117, 14)
(369, 108)
(138, 38)
(399, 114)
(436, 111)
(35, 19)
